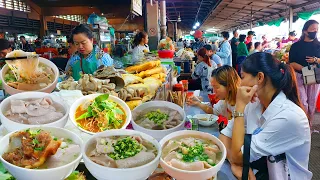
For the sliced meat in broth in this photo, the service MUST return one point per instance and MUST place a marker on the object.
(137, 160)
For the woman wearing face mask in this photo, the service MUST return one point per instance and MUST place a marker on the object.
(306, 50)
(88, 57)
(275, 118)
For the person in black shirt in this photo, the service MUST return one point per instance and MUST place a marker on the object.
(306, 51)
(25, 46)
(234, 44)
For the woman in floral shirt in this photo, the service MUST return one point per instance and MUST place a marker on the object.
(89, 57)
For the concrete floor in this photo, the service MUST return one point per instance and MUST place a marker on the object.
(314, 163)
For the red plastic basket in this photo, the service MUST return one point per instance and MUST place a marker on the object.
(166, 53)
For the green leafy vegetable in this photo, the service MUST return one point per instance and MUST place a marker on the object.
(157, 117)
(76, 175)
(39, 148)
(10, 78)
(124, 148)
(4, 174)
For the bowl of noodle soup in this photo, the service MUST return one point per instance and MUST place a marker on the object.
(31, 74)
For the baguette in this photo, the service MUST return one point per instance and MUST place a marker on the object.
(143, 67)
(151, 72)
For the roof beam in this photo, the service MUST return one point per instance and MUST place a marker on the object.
(257, 6)
(174, 1)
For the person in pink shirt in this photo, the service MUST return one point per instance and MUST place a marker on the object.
(292, 38)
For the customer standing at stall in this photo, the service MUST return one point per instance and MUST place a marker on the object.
(25, 46)
(211, 51)
(242, 52)
(140, 46)
(234, 45)
(5, 48)
(306, 51)
(292, 38)
(276, 122)
(225, 51)
(250, 37)
(203, 70)
(72, 48)
(89, 56)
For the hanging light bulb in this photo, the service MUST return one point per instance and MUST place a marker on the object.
(197, 24)
(179, 18)
(194, 27)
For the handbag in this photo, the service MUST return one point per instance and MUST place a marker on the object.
(269, 167)
(311, 74)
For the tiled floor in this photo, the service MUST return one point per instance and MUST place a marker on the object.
(314, 163)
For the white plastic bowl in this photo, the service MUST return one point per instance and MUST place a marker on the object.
(210, 119)
(57, 173)
(158, 134)
(106, 173)
(14, 126)
(10, 90)
(179, 174)
(90, 97)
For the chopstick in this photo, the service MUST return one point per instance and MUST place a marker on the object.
(13, 58)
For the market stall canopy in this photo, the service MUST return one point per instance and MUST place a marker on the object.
(237, 14)
(190, 11)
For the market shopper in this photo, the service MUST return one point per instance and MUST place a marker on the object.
(234, 45)
(25, 46)
(242, 52)
(250, 47)
(89, 56)
(257, 47)
(250, 37)
(140, 46)
(225, 51)
(197, 44)
(203, 70)
(275, 120)
(306, 51)
(292, 38)
(5, 48)
(72, 48)
(211, 50)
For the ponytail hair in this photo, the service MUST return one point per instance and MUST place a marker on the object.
(203, 53)
(138, 37)
(282, 75)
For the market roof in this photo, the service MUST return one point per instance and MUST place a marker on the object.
(190, 11)
(237, 14)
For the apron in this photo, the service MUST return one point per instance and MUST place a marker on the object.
(86, 65)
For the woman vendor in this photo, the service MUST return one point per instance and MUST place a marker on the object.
(140, 46)
(89, 56)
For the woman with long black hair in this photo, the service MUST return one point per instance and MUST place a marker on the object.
(268, 107)
(306, 51)
(140, 46)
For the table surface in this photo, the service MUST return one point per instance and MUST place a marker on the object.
(225, 172)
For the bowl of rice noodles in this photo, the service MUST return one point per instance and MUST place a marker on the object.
(31, 74)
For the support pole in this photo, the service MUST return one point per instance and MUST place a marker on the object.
(163, 19)
(290, 19)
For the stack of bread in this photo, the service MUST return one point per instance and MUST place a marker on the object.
(146, 77)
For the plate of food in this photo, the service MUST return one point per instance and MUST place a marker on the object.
(100, 112)
(206, 119)
(53, 151)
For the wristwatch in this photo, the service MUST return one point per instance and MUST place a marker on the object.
(236, 114)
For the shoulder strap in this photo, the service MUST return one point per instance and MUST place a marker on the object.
(246, 156)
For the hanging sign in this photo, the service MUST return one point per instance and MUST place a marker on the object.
(136, 7)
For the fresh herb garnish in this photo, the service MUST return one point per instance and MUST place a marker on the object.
(124, 148)
(195, 153)
(56, 139)
(35, 142)
(39, 148)
(157, 117)
(69, 141)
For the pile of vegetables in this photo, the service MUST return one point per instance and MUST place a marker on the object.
(157, 117)
(125, 148)
(105, 112)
